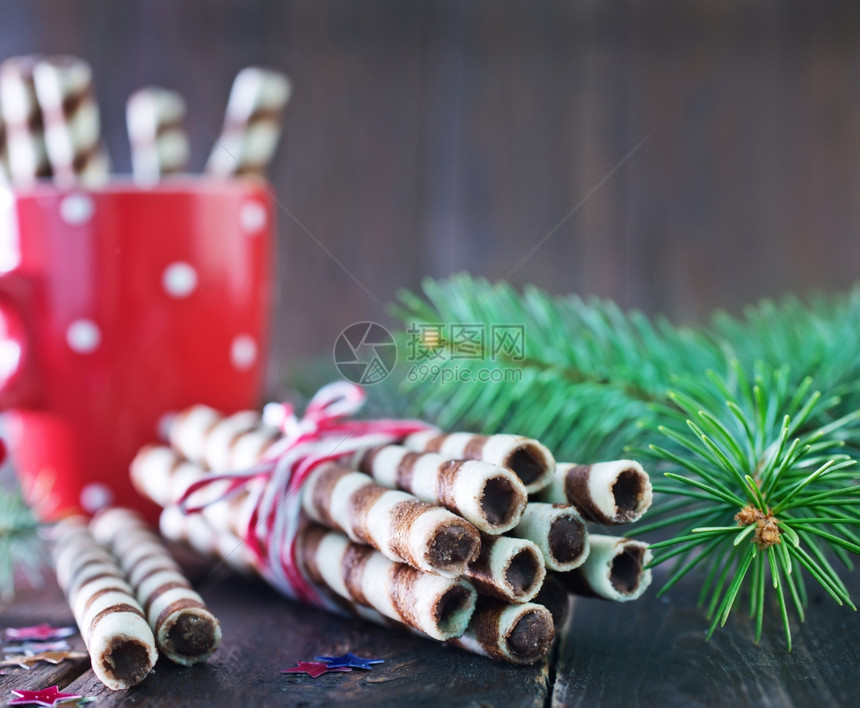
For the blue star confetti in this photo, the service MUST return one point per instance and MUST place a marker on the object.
(349, 659)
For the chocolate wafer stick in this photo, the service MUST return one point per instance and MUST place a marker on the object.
(559, 532)
(438, 606)
(155, 118)
(112, 623)
(511, 569)
(252, 125)
(207, 437)
(554, 596)
(614, 570)
(26, 157)
(64, 87)
(616, 492)
(404, 529)
(520, 633)
(161, 475)
(531, 461)
(186, 632)
(490, 497)
(207, 540)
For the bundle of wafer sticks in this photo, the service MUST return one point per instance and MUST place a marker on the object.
(50, 126)
(474, 540)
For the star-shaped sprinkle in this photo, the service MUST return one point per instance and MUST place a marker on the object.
(26, 661)
(350, 660)
(40, 632)
(45, 697)
(33, 647)
(314, 669)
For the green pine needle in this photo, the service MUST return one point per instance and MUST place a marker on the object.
(728, 414)
(21, 548)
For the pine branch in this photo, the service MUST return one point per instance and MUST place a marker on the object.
(757, 475)
(21, 548)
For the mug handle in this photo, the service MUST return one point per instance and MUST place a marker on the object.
(17, 382)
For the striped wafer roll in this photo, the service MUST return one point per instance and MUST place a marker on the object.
(199, 534)
(252, 125)
(490, 497)
(64, 87)
(527, 458)
(509, 569)
(26, 159)
(404, 529)
(614, 570)
(521, 633)
(162, 476)
(220, 442)
(616, 492)
(155, 118)
(112, 623)
(559, 532)
(438, 606)
(186, 632)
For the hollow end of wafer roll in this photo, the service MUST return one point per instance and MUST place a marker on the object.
(122, 662)
(615, 492)
(517, 633)
(509, 569)
(531, 464)
(453, 609)
(530, 636)
(189, 636)
(452, 547)
(566, 540)
(614, 571)
(500, 503)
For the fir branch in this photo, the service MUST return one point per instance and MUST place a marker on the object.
(756, 476)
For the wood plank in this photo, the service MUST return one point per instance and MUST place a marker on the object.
(653, 652)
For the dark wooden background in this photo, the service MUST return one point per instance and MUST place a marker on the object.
(426, 138)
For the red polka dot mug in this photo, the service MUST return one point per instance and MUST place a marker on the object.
(118, 306)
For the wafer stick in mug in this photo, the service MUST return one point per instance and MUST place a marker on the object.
(119, 640)
(531, 461)
(404, 529)
(490, 497)
(510, 569)
(4, 165)
(559, 532)
(521, 633)
(252, 125)
(186, 632)
(438, 606)
(616, 492)
(155, 118)
(64, 87)
(26, 159)
(614, 570)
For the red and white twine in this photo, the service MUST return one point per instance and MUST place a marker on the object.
(325, 433)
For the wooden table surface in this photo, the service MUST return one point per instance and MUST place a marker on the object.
(651, 652)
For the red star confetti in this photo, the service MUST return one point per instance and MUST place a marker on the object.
(314, 669)
(44, 697)
(348, 659)
(40, 632)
